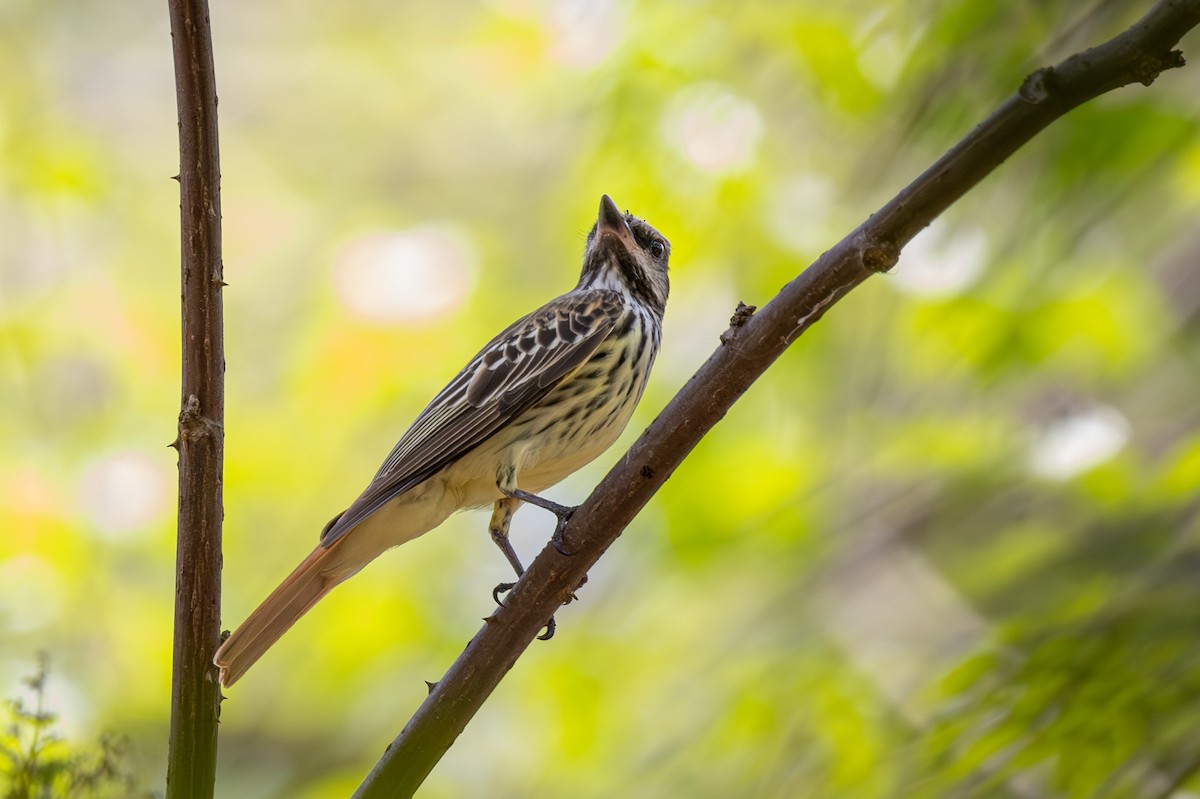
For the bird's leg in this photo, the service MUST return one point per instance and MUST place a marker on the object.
(563, 512)
(502, 513)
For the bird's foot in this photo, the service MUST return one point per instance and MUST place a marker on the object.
(501, 588)
(556, 540)
(562, 512)
(551, 625)
(548, 633)
(504, 588)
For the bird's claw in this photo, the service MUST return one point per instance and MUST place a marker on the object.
(556, 540)
(550, 625)
(501, 588)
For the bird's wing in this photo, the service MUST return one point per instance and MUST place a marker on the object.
(511, 374)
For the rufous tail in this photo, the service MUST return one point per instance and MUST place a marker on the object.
(295, 595)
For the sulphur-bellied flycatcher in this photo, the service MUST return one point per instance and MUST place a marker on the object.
(544, 397)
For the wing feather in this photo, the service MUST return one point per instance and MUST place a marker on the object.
(508, 376)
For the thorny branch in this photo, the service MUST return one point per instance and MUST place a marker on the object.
(195, 697)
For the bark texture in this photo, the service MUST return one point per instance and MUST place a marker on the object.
(195, 696)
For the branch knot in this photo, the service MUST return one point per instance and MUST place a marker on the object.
(194, 425)
(1037, 86)
(741, 315)
(1145, 68)
(880, 256)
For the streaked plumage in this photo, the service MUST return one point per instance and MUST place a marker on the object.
(540, 400)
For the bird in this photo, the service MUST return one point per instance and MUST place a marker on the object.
(546, 396)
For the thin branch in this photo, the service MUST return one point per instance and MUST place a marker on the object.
(195, 697)
(750, 346)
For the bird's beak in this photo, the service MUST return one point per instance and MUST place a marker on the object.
(612, 222)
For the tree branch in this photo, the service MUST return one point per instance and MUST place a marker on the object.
(195, 696)
(751, 345)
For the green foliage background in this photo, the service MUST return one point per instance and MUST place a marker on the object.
(948, 546)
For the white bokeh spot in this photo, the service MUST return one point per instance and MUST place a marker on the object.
(938, 263)
(712, 128)
(585, 32)
(1077, 442)
(407, 275)
(123, 493)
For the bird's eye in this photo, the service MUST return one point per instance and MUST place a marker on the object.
(657, 249)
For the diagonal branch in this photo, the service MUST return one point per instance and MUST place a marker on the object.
(195, 698)
(750, 346)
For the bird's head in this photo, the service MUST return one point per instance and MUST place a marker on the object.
(627, 255)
